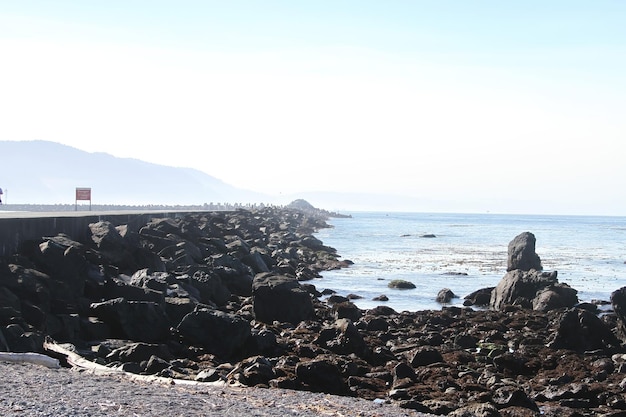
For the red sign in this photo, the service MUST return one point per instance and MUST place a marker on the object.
(83, 194)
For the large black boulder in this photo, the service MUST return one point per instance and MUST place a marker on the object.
(142, 321)
(280, 298)
(222, 334)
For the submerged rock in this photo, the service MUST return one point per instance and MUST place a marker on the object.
(445, 296)
(401, 284)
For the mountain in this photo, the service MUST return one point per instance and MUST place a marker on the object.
(43, 172)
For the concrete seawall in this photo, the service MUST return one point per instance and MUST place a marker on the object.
(20, 226)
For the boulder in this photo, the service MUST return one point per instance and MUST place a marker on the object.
(280, 298)
(555, 296)
(10, 306)
(256, 261)
(528, 289)
(347, 310)
(111, 244)
(521, 253)
(343, 339)
(424, 356)
(445, 296)
(30, 285)
(221, 334)
(210, 286)
(139, 352)
(401, 284)
(257, 370)
(18, 339)
(141, 321)
(235, 275)
(618, 302)
(157, 281)
(322, 375)
(582, 330)
(481, 297)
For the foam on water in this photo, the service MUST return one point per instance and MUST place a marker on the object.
(468, 253)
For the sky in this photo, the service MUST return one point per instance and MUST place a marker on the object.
(448, 105)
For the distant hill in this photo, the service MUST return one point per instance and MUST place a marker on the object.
(42, 172)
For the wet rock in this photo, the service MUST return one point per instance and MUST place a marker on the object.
(401, 284)
(382, 311)
(445, 295)
(481, 297)
(337, 299)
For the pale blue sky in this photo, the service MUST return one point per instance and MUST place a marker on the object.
(472, 105)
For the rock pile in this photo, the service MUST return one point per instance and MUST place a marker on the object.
(221, 296)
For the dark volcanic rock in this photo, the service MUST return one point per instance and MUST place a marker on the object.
(480, 298)
(133, 320)
(220, 333)
(322, 375)
(280, 298)
(521, 253)
(445, 296)
(618, 302)
(582, 330)
(532, 289)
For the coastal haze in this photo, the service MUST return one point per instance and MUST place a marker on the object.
(410, 106)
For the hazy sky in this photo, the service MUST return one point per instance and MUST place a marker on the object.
(506, 106)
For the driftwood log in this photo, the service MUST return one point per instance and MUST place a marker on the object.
(74, 360)
(28, 357)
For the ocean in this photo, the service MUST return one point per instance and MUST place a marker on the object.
(467, 252)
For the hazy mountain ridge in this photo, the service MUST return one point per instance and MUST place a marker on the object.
(43, 172)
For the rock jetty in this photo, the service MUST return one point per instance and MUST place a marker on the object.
(229, 296)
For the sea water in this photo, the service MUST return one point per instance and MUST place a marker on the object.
(468, 252)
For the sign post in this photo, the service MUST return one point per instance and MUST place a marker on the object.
(83, 194)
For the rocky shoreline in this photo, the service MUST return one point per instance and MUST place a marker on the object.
(230, 296)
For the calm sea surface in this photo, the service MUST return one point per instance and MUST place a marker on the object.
(588, 253)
